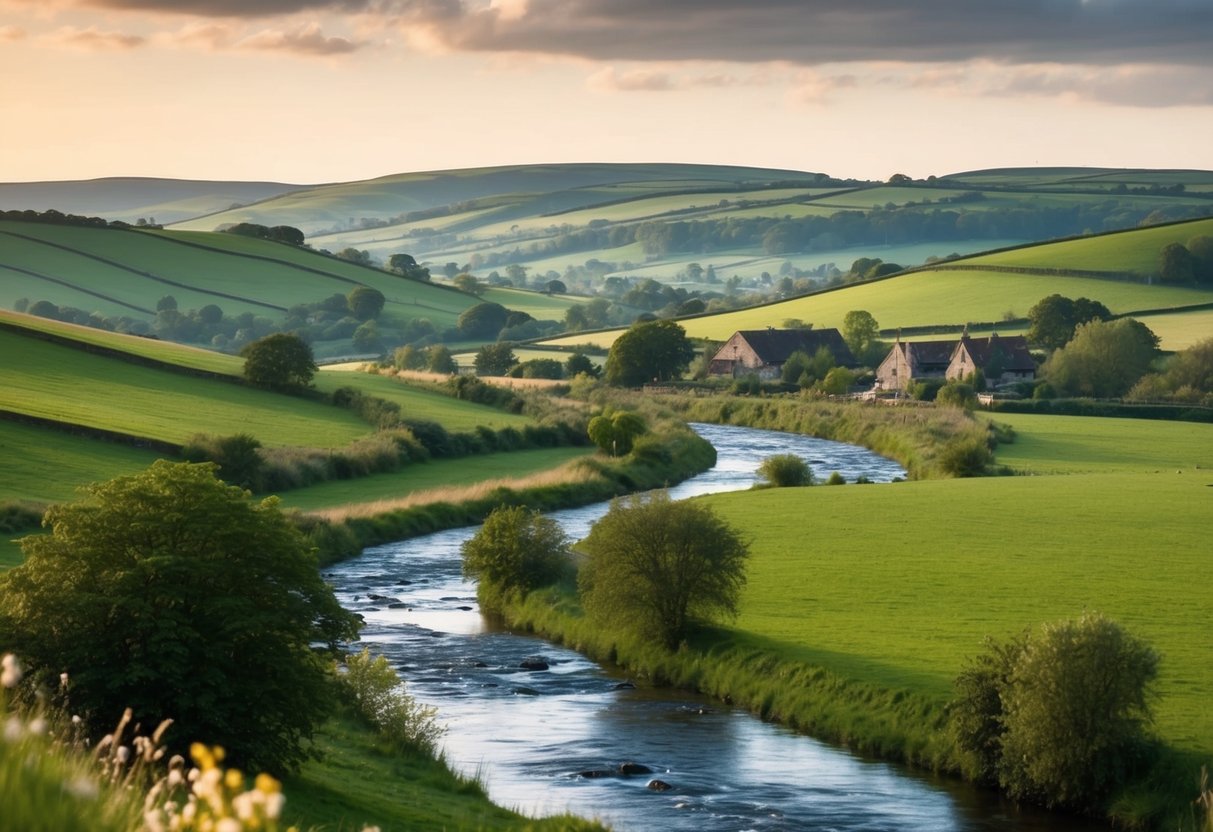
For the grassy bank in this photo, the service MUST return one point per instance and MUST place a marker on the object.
(917, 437)
(863, 604)
(361, 781)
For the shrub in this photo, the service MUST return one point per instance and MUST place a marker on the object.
(379, 698)
(237, 457)
(957, 394)
(785, 471)
(655, 566)
(616, 433)
(516, 550)
(836, 478)
(1059, 715)
(965, 456)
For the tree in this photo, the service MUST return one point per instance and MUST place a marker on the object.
(494, 359)
(166, 303)
(468, 283)
(1177, 265)
(366, 338)
(170, 592)
(408, 358)
(785, 471)
(365, 303)
(210, 314)
(655, 566)
(862, 334)
(1105, 359)
(516, 550)
(556, 287)
(654, 350)
(1054, 319)
(286, 234)
(484, 320)
(1073, 703)
(616, 432)
(579, 362)
(441, 360)
(280, 362)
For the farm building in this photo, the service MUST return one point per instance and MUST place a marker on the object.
(1001, 360)
(763, 352)
(913, 360)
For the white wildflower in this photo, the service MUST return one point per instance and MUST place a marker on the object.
(63, 680)
(228, 825)
(273, 805)
(13, 729)
(84, 788)
(76, 719)
(243, 805)
(10, 671)
(123, 754)
(175, 779)
(37, 726)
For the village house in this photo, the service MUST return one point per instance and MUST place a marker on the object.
(763, 352)
(913, 361)
(1001, 359)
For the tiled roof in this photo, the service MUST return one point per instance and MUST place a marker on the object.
(774, 346)
(1014, 349)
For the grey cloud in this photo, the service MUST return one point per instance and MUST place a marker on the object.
(812, 32)
(1134, 86)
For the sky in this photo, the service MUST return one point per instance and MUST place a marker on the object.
(309, 91)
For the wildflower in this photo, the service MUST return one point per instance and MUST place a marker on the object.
(37, 726)
(83, 787)
(10, 671)
(76, 719)
(63, 680)
(123, 754)
(13, 729)
(228, 825)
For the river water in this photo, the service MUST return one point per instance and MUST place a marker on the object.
(533, 735)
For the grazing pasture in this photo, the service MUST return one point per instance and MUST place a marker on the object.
(898, 584)
(435, 474)
(58, 382)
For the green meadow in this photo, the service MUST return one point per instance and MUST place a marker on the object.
(57, 382)
(897, 585)
(434, 474)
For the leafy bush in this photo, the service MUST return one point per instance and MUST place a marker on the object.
(957, 394)
(236, 457)
(516, 550)
(785, 471)
(655, 566)
(615, 433)
(1059, 715)
(18, 517)
(965, 456)
(379, 698)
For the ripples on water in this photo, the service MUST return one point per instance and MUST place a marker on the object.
(531, 734)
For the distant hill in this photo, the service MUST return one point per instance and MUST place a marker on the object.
(129, 198)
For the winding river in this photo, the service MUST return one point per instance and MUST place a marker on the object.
(531, 735)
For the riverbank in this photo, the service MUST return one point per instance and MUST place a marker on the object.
(864, 604)
(360, 780)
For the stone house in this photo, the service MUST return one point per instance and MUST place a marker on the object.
(763, 352)
(913, 360)
(1001, 360)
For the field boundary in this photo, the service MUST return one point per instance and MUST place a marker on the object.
(74, 429)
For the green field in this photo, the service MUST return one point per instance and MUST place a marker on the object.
(898, 585)
(1128, 251)
(45, 465)
(58, 382)
(440, 473)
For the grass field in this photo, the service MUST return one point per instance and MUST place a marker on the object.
(440, 473)
(898, 585)
(45, 465)
(58, 382)
(930, 297)
(1131, 251)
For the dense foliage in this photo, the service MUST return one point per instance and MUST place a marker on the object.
(173, 594)
(649, 351)
(785, 471)
(655, 566)
(279, 362)
(1058, 716)
(1054, 319)
(516, 550)
(1103, 360)
(615, 433)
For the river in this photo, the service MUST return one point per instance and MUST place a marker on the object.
(529, 735)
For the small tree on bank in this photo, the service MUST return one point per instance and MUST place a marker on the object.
(1059, 715)
(516, 550)
(785, 471)
(655, 566)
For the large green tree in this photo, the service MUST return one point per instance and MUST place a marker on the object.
(365, 303)
(655, 566)
(650, 351)
(174, 594)
(1054, 319)
(862, 334)
(494, 359)
(1104, 359)
(484, 320)
(280, 361)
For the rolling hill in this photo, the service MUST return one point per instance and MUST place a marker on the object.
(994, 288)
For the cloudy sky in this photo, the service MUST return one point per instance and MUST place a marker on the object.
(308, 91)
